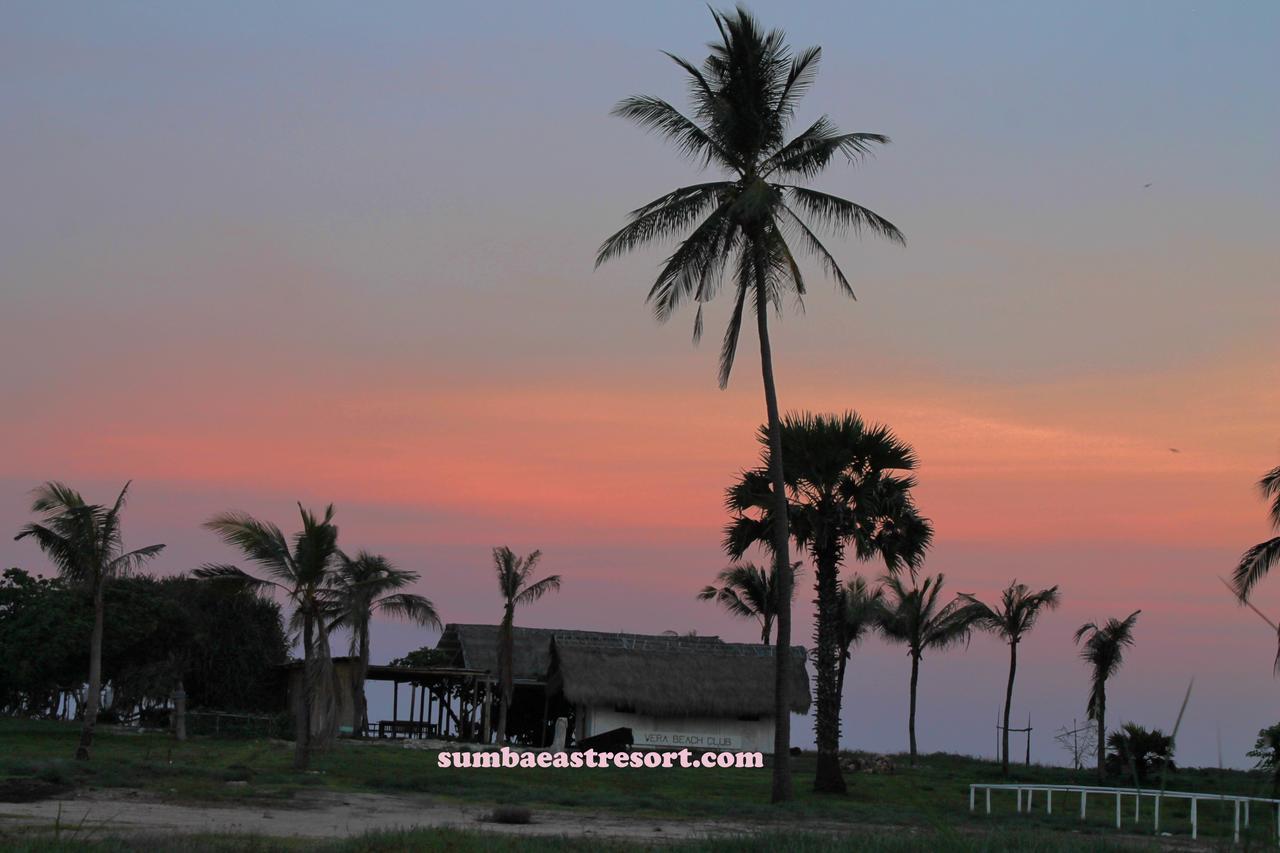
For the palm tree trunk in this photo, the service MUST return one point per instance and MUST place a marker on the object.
(506, 654)
(766, 629)
(93, 696)
(782, 559)
(302, 710)
(844, 662)
(911, 720)
(827, 778)
(1008, 702)
(360, 706)
(324, 708)
(1102, 732)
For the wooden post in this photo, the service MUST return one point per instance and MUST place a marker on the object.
(443, 696)
(1084, 796)
(422, 711)
(1194, 825)
(475, 706)
(1028, 738)
(395, 706)
(413, 698)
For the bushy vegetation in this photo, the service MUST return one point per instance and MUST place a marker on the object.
(1137, 751)
(223, 645)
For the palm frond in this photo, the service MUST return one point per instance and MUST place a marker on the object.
(230, 575)
(413, 608)
(535, 591)
(842, 215)
(661, 218)
(658, 116)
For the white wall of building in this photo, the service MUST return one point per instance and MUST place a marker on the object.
(718, 733)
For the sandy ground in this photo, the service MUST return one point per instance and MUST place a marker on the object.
(327, 815)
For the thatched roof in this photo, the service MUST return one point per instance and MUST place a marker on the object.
(670, 676)
(655, 674)
(476, 647)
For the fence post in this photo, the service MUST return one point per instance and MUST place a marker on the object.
(1157, 825)
(1030, 791)
(1048, 801)
(1194, 801)
(972, 794)
(1236, 832)
(1137, 802)
(1117, 809)
(1019, 801)
(1083, 796)
(988, 801)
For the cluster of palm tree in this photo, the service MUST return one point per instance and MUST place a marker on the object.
(329, 590)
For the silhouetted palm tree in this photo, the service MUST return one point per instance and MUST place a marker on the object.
(301, 570)
(1259, 560)
(744, 98)
(85, 543)
(1104, 651)
(842, 493)
(359, 587)
(1014, 616)
(859, 607)
(914, 618)
(515, 580)
(749, 591)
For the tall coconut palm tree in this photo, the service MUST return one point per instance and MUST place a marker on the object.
(1261, 558)
(912, 616)
(842, 494)
(749, 591)
(1103, 650)
(859, 607)
(360, 586)
(1013, 617)
(301, 570)
(85, 543)
(515, 580)
(743, 101)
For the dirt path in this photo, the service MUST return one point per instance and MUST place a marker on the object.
(329, 815)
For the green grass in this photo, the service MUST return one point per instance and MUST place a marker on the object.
(933, 795)
(457, 841)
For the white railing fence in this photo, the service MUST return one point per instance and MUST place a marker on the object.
(1241, 802)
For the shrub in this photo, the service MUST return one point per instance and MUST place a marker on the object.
(1136, 750)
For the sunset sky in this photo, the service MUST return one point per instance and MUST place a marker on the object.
(257, 254)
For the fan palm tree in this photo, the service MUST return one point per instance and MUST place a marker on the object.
(1014, 616)
(842, 494)
(744, 98)
(359, 587)
(1261, 558)
(85, 543)
(515, 580)
(913, 617)
(301, 570)
(1103, 650)
(749, 591)
(859, 607)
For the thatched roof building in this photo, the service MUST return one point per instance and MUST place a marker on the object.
(672, 676)
(669, 690)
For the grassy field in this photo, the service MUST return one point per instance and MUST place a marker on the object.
(931, 798)
(454, 841)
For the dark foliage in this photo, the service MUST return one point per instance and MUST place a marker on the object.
(1134, 750)
(223, 644)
